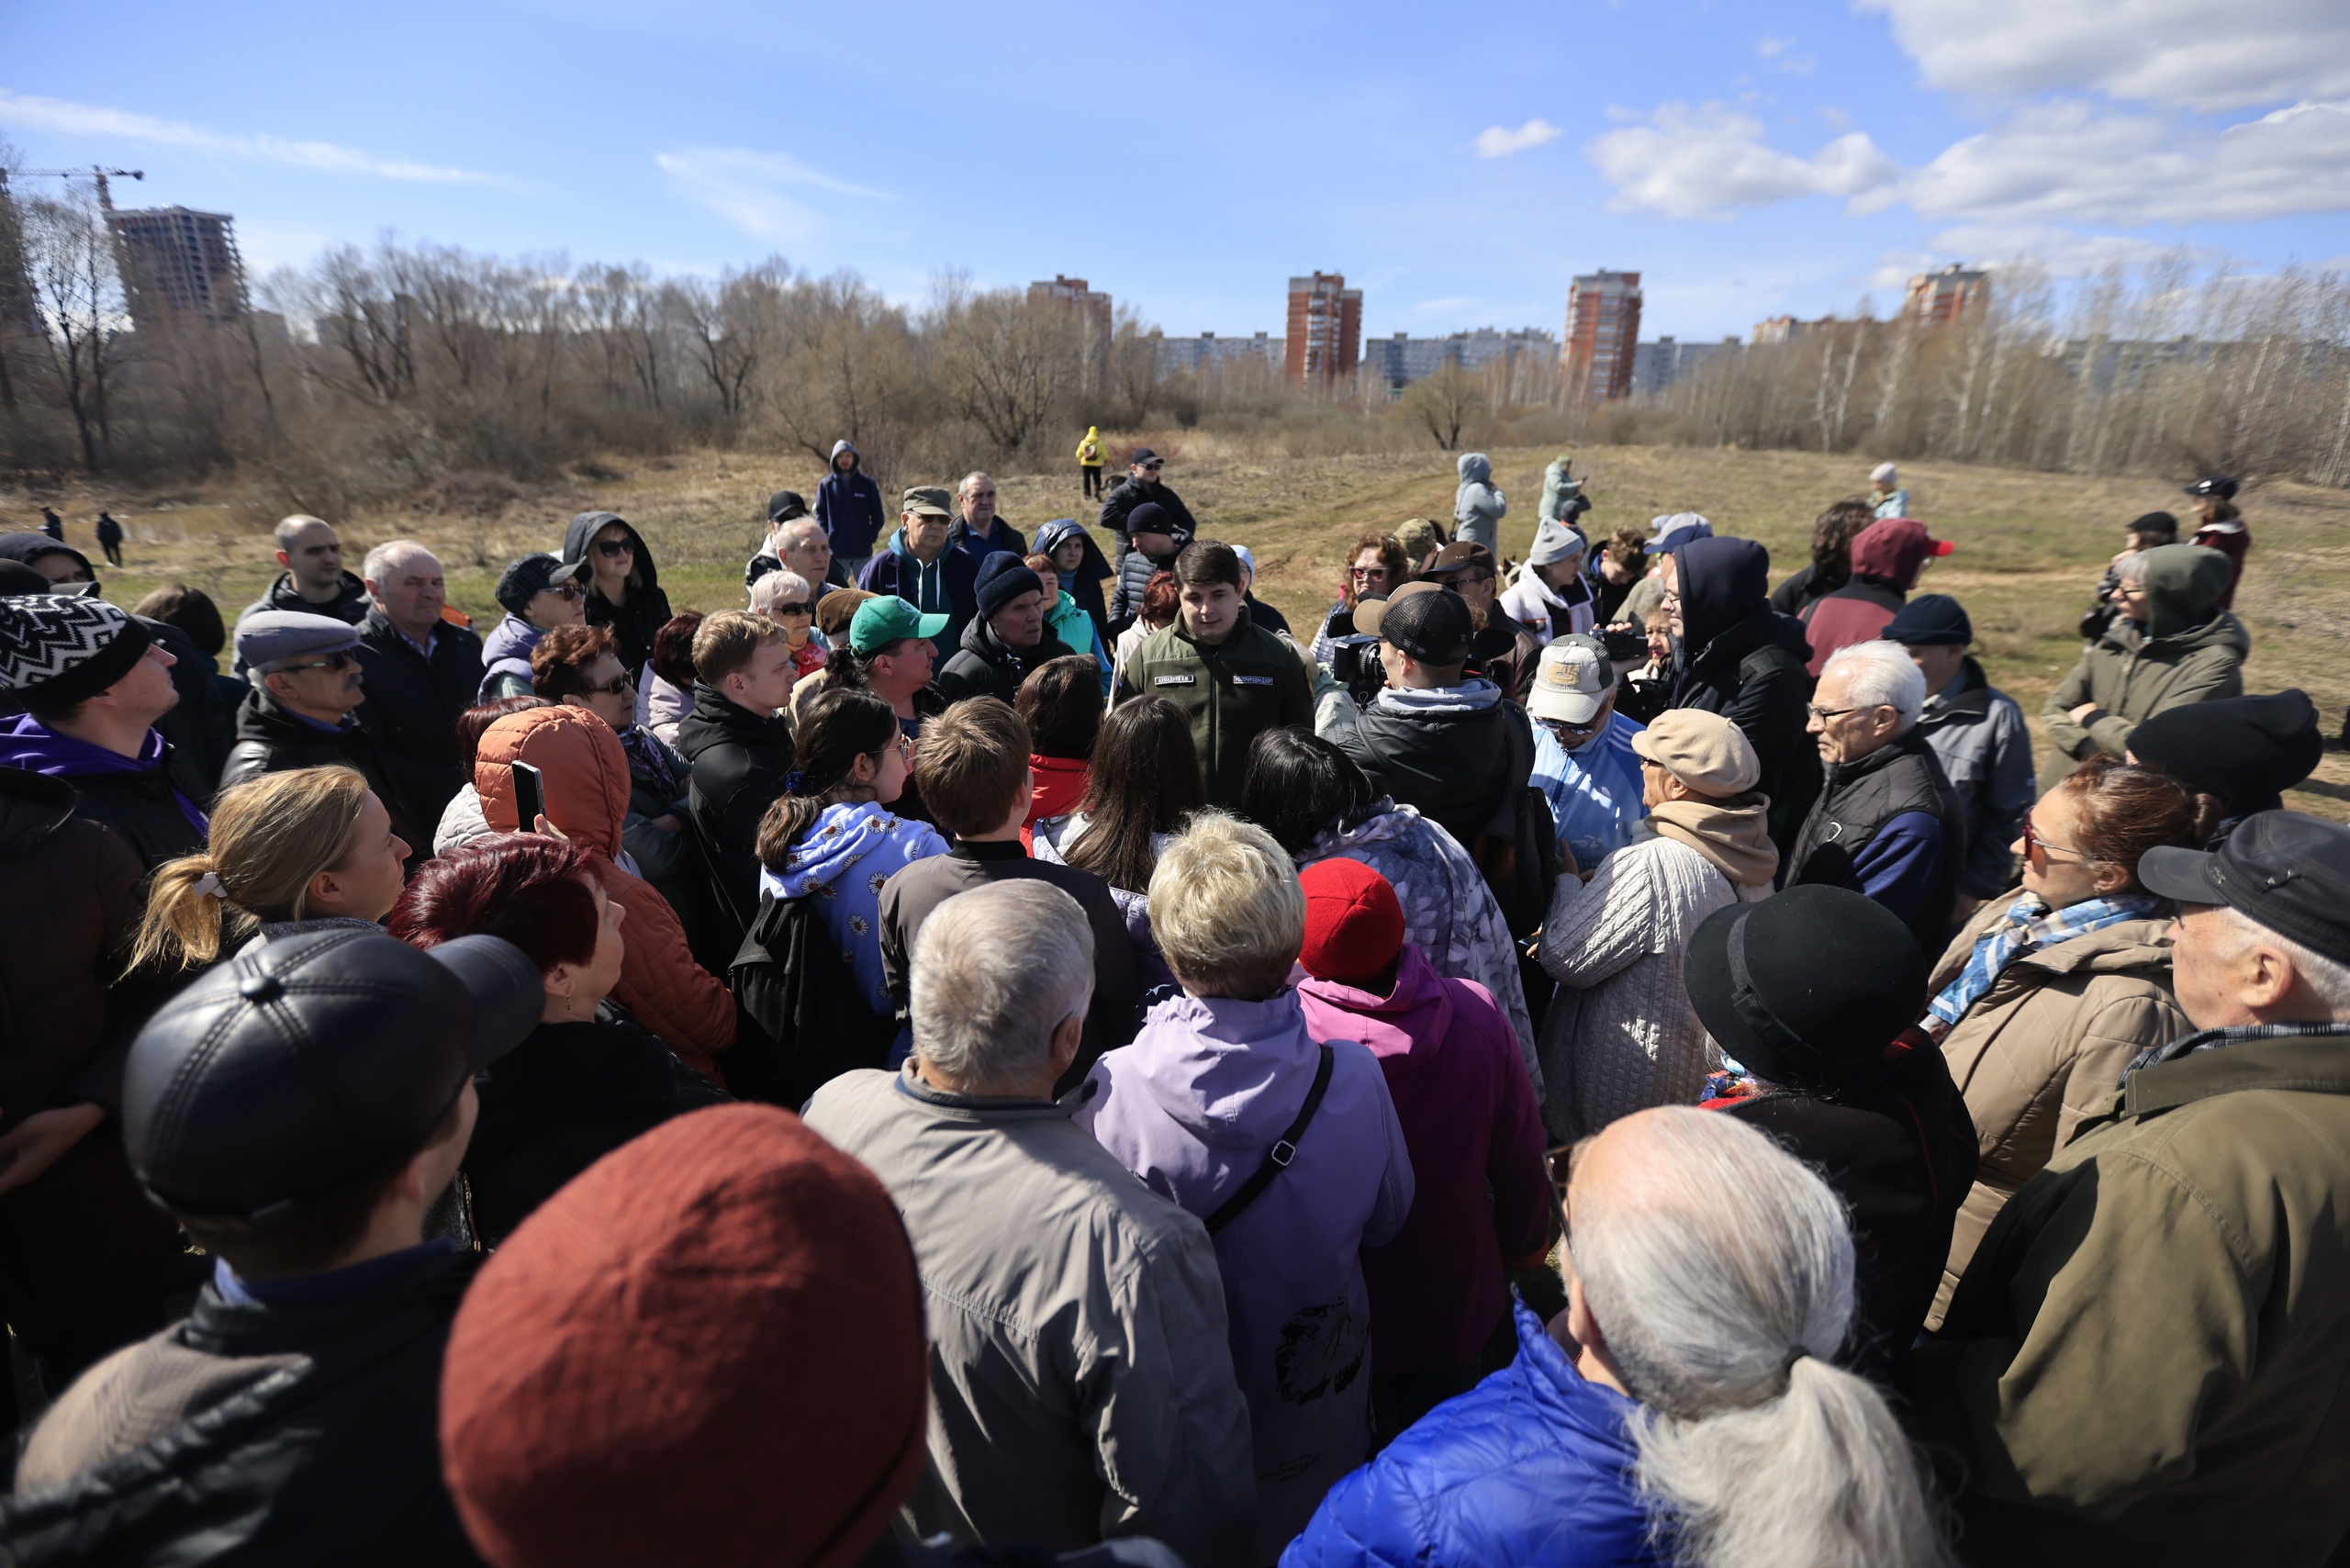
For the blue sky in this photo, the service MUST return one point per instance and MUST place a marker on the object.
(1749, 158)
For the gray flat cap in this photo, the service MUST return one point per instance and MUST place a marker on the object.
(268, 638)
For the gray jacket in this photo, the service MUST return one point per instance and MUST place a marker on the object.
(1980, 736)
(1081, 1370)
(1477, 507)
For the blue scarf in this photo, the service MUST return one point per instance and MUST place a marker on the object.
(2027, 928)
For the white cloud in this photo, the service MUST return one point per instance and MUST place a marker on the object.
(1705, 161)
(1500, 142)
(753, 190)
(2205, 54)
(2066, 163)
(60, 117)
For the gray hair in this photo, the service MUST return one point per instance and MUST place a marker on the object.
(996, 970)
(796, 534)
(1881, 674)
(290, 530)
(1723, 1282)
(2132, 568)
(769, 590)
(387, 556)
(2330, 978)
(965, 488)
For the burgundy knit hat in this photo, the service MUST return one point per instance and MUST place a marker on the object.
(1354, 926)
(708, 1349)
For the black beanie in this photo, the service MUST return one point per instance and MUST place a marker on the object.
(2246, 750)
(57, 650)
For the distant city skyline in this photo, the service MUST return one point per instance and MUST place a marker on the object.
(1751, 159)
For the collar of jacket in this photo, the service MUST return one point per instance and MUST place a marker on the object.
(1905, 743)
(2311, 1057)
(992, 1107)
(1969, 696)
(1242, 624)
(738, 722)
(988, 849)
(221, 1327)
(1737, 640)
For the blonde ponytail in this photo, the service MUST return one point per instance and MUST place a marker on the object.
(270, 837)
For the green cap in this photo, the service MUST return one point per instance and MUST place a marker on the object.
(881, 621)
(932, 499)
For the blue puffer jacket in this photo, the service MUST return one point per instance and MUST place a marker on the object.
(1530, 1469)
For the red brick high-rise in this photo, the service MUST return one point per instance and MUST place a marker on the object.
(1325, 340)
(1603, 327)
(1937, 299)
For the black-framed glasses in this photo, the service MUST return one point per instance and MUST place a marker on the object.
(1824, 714)
(347, 659)
(612, 549)
(619, 684)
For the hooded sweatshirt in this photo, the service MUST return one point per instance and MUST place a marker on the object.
(586, 771)
(2188, 651)
(634, 623)
(1470, 1121)
(1193, 1107)
(1477, 507)
(1887, 558)
(1088, 450)
(846, 857)
(849, 505)
(1084, 585)
(1739, 657)
(506, 658)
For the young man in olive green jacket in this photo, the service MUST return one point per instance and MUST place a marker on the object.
(1232, 678)
(2148, 1360)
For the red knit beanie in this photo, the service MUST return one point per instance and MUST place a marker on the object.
(1354, 926)
(708, 1349)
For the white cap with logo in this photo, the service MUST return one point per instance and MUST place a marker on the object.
(1574, 678)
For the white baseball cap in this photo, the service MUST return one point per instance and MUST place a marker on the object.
(1574, 680)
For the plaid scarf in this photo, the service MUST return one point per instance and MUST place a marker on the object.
(2212, 1039)
(2028, 927)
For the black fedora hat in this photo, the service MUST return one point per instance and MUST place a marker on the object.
(1809, 986)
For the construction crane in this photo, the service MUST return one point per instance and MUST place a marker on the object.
(105, 198)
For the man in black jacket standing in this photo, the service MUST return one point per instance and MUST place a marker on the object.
(1142, 484)
(313, 582)
(94, 682)
(1006, 639)
(298, 1110)
(1733, 654)
(303, 709)
(420, 673)
(740, 749)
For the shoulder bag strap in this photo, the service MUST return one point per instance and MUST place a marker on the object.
(1277, 1159)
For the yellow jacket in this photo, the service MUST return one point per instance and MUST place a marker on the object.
(1088, 450)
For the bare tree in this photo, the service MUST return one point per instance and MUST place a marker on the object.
(1444, 403)
(79, 296)
(1005, 361)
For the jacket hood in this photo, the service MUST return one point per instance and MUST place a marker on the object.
(1474, 468)
(1894, 548)
(511, 638)
(2184, 583)
(856, 462)
(1059, 532)
(1409, 1023)
(1722, 581)
(1473, 695)
(843, 833)
(582, 764)
(31, 547)
(583, 527)
(1209, 1062)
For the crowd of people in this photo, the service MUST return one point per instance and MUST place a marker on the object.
(999, 1051)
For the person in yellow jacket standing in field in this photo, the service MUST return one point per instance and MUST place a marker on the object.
(1089, 461)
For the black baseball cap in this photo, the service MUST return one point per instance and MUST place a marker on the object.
(526, 578)
(2217, 485)
(2288, 871)
(785, 505)
(1763, 981)
(1143, 454)
(1434, 628)
(314, 1062)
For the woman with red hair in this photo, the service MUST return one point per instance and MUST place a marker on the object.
(590, 1078)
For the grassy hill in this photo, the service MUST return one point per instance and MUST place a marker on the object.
(2031, 544)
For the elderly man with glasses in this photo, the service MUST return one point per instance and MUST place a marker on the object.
(303, 710)
(1886, 824)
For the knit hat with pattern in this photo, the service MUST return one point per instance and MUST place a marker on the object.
(57, 650)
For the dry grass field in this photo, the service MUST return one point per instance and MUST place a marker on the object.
(2031, 544)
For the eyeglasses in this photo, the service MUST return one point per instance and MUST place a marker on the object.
(792, 609)
(2032, 841)
(1582, 732)
(568, 591)
(347, 659)
(1824, 714)
(1367, 571)
(612, 548)
(619, 685)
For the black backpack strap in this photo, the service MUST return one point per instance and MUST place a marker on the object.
(1277, 1159)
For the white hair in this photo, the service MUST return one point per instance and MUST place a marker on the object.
(290, 529)
(1881, 674)
(387, 555)
(2330, 978)
(965, 488)
(796, 534)
(1722, 1280)
(995, 971)
(775, 589)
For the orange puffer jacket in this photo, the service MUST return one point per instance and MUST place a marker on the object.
(587, 786)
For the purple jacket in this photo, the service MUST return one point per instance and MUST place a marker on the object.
(1469, 1118)
(1192, 1107)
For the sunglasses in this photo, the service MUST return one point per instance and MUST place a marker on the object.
(347, 659)
(2032, 841)
(1152, 467)
(568, 591)
(792, 609)
(612, 549)
(619, 684)
(1367, 571)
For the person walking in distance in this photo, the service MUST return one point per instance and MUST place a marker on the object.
(1089, 461)
(110, 538)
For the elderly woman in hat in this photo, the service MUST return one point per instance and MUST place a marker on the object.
(1620, 1036)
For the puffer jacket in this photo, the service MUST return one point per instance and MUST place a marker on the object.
(986, 665)
(2190, 650)
(588, 791)
(1980, 738)
(506, 659)
(1532, 1469)
(1134, 571)
(72, 888)
(2039, 1051)
(632, 624)
(1477, 507)
(739, 762)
